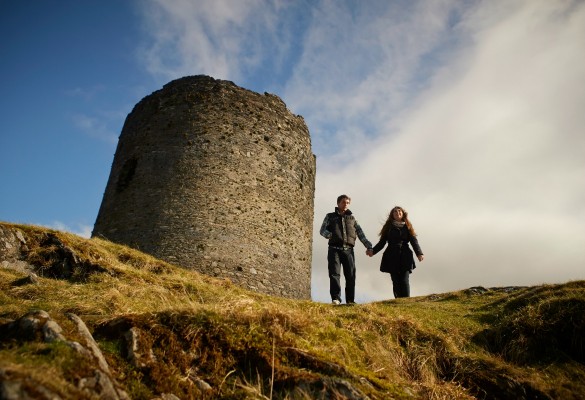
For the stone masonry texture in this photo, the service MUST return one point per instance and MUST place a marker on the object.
(214, 177)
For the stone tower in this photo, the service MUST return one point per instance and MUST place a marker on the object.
(211, 176)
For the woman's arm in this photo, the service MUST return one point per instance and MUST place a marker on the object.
(416, 247)
(379, 246)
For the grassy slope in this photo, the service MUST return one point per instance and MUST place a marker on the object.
(497, 343)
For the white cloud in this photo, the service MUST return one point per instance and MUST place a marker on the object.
(489, 162)
(223, 38)
(360, 67)
(468, 114)
(86, 94)
(81, 230)
(96, 127)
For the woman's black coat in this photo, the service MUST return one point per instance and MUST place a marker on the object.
(398, 256)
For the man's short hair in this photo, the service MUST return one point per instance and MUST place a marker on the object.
(343, 196)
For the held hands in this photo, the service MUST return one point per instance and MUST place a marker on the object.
(370, 253)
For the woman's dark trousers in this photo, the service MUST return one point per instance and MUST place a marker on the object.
(335, 259)
(401, 284)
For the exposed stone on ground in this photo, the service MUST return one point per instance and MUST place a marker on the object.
(12, 246)
(90, 344)
(15, 385)
(36, 325)
(39, 326)
(59, 261)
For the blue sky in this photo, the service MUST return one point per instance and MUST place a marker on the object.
(469, 114)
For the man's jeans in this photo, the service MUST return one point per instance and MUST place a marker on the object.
(335, 259)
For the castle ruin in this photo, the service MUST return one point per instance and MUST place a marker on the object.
(214, 177)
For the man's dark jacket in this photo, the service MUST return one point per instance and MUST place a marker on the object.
(342, 228)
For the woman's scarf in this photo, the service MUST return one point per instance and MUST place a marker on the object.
(398, 224)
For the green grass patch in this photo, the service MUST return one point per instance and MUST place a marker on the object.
(190, 328)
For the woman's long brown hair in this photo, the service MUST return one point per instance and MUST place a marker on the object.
(388, 222)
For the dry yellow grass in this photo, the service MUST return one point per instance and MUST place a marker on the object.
(459, 345)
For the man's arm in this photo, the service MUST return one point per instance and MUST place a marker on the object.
(323, 231)
(362, 236)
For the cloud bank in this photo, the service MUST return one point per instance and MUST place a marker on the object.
(467, 114)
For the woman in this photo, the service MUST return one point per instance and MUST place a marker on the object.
(398, 259)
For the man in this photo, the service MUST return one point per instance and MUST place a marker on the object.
(341, 228)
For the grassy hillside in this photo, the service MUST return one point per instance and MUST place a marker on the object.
(165, 332)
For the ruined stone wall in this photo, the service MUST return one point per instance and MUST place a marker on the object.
(218, 178)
